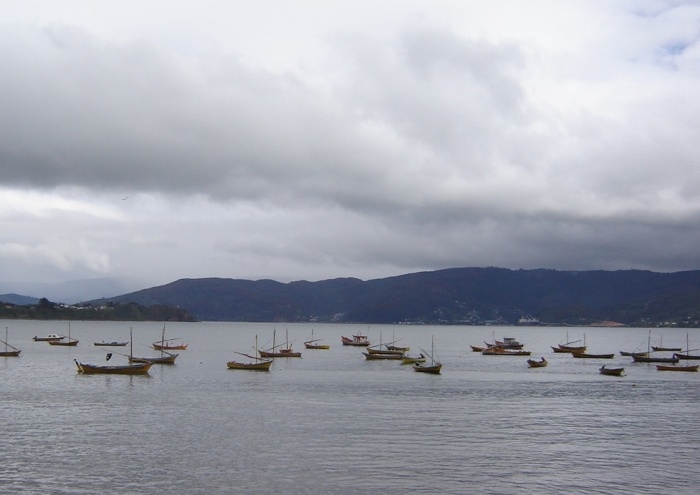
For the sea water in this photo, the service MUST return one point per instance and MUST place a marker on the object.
(333, 422)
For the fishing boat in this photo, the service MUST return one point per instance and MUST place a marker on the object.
(110, 344)
(413, 359)
(124, 369)
(274, 352)
(612, 371)
(533, 363)
(49, 338)
(506, 343)
(257, 364)
(358, 340)
(169, 344)
(648, 358)
(69, 343)
(391, 347)
(164, 358)
(661, 348)
(633, 353)
(476, 348)
(662, 367)
(499, 351)
(586, 355)
(14, 352)
(687, 354)
(314, 343)
(382, 356)
(434, 367)
(569, 345)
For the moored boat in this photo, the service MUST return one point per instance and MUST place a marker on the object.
(125, 369)
(382, 356)
(533, 363)
(315, 343)
(611, 371)
(585, 355)
(49, 338)
(67, 343)
(413, 359)
(499, 351)
(110, 344)
(476, 348)
(434, 368)
(358, 340)
(10, 350)
(275, 351)
(662, 367)
(257, 364)
(679, 355)
(506, 343)
(654, 359)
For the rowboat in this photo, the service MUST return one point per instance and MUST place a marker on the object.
(612, 371)
(257, 363)
(434, 367)
(592, 356)
(633, 353)
(661, 348)
(164, 358)
(477, 348)
(7, 352)
(662, 367)
(110, 344)
(533, 363)
(678, 355)
(651, 359)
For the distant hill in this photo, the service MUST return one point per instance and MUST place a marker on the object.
(18, 299)
(452, 296)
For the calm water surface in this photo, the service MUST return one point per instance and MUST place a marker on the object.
(332, 422)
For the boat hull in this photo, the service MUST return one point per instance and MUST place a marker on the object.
(585, 355)
(433, 369)
(166, 347)
(649, 359)
(68, 343)
(382, 357)
(259, 366)
(155, 360)
(612, 371)
(662, 367)
(532, 363)
(685, 356)
(110, 344)
(356, 340)
(9, 353)
(316, 346)
(128, 369)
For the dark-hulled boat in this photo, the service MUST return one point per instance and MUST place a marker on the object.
(612, 371)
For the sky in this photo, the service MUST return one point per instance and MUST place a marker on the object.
(310, 140)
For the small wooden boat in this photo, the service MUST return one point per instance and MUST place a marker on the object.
(569, 345)
(123, 369)
(499, 351)
(413, 360)
(533, 363)
(586, 355)
(652, 359)
(257, 363)
(666, 349)
(358, 340)
(7, 352)
(164, 358)
(69, 343)
(662, 367)
(376, 357)
(678, 355)
(126, 369)
(274, 352)
(434, 367)
(634, 353)
(476, 348)
(397, 348)
(372, 350)
(169, 345)
(49, 338)
(612, 371)
(110, 344)
(314, 343)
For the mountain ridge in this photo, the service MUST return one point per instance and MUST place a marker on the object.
(451, 296)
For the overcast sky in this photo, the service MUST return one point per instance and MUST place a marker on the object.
(159, 140)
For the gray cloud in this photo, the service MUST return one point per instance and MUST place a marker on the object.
(451, 138)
